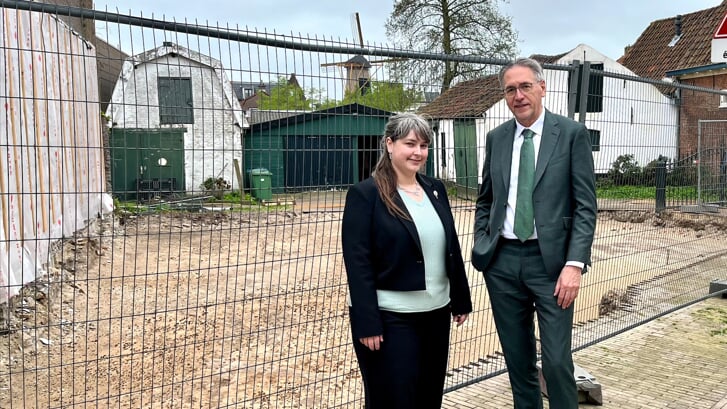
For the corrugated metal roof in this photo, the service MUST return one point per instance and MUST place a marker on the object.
(258, 116)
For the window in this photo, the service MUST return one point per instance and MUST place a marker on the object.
(723, 100)
(595, 89)
(595, 140)
(364, 85)
(248, 92)
(175, 101)
(674, 40)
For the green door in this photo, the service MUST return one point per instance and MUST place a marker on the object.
(147, 163)
(465, 156)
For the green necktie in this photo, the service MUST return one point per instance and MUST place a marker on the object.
(523, 228)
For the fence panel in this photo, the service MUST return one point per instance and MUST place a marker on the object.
(218, 279)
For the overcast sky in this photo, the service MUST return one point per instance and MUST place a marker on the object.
(544, 26)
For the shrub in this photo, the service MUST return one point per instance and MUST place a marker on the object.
(648, 174)
(625, 170)
(216, 187)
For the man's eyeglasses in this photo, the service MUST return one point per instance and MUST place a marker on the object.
(525, 88)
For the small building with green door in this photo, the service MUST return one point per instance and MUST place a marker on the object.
(321, 150)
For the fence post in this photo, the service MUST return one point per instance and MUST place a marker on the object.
(573, 88)
(660, 186)
(583, 91)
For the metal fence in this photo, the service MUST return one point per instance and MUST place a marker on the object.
(217, 279)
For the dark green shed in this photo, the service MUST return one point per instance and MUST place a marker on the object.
(331, 148)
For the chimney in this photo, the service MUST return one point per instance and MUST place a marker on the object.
(678, 25)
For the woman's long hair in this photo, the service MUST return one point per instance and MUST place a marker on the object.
(384, 175)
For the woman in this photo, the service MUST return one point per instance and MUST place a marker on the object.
(405, 272)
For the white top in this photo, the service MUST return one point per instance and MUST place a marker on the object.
(434, 248)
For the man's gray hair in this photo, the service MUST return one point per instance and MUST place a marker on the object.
(523, 62)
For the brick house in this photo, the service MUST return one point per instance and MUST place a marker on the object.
(678, 49)
(248, 93)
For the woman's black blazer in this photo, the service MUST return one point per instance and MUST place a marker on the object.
(382, 251)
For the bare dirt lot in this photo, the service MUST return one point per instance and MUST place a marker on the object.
(197, 310)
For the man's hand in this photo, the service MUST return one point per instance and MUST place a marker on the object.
(569, 282)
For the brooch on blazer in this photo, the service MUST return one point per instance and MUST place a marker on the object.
(436, 195)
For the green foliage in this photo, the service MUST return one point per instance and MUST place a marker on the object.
(284, 96)
(452, 191)
(645, 192)
(234, 197)
(603, 182)
(625, 170)
(682, 176)
(690, 174)
(626, 192)
(216, 186)
(387, 96)
(125, 208)
(627, 180)
(469, 27)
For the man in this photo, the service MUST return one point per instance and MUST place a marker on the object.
(534, 225)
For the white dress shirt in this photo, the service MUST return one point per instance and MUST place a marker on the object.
(507, 229)
(537, 127)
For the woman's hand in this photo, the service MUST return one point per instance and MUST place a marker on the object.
(372, 343)
(459, 319)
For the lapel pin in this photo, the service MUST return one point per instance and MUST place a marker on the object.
(436, 195)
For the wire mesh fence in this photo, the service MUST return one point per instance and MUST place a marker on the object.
(172, 195)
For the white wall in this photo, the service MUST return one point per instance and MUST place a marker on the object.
(636, 119)
(651, 130)
(445, 172)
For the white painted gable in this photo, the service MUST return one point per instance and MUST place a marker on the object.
(213, 141)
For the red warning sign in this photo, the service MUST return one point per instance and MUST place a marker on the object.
(719, 43)
(722, 29)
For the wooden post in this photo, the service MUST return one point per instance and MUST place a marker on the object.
(240, 180)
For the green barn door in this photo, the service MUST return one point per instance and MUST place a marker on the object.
(465, 156)
(147, 162)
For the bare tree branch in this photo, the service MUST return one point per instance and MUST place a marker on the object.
(456, 27)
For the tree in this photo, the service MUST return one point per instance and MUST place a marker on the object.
(387, 96)
(453, 27)
(285, 95)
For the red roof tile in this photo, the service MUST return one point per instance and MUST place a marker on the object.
(471, 98)
(466, 99)
(651, 56)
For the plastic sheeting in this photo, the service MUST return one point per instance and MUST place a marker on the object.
(51, 157)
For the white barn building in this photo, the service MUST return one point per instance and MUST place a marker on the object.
(171, 90)
(625, 117)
